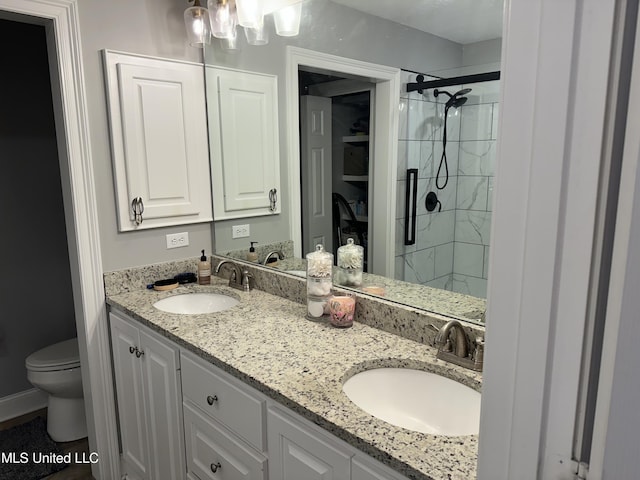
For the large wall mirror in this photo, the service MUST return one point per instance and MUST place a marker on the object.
(432, 255)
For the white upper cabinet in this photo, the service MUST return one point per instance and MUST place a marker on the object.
(245, 162)
(157, 112)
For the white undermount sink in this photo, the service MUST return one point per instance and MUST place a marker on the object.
(416, 400)
(193, 303)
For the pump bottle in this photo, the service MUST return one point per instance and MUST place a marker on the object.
(204, 270)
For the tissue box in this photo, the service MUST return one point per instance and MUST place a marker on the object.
(356, 160)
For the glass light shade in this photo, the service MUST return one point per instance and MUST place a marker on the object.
(230, 43)
(287, 20)
(257, 36)
(196, 21)
(250, 13)
(222, 14)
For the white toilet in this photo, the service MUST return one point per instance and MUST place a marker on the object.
(56, 370)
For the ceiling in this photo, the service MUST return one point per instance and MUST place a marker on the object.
(461, 21)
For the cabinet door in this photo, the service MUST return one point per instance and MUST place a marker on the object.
(164, 407)
(129, 392)
(295, 451)
(214, 454)
(243, 119)
(159, 140)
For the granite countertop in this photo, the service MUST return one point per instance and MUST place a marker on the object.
(266, 342)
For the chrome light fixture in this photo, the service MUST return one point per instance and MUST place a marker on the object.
(196, 21)
(225, 15)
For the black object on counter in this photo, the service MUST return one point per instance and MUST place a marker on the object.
(187, 277)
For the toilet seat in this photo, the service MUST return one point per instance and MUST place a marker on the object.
(59, 356)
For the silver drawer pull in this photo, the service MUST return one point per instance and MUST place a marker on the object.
(215, 467)
(211, 400)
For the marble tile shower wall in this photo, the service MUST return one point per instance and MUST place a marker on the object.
(452, 246)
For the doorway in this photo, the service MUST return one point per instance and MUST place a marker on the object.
(336, 115)
(60, 19)
(384, 143)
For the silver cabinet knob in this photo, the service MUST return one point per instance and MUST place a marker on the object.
(215, 467)
(132, 349)
(212, 399)
(139, 353)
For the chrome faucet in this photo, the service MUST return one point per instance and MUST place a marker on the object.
(270, 254)
(458, 352)
(239, 279)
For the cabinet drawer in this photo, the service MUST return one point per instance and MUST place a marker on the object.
(230, 405)
(210, 447)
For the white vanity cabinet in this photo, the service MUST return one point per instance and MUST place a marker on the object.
(147, 379)
(243, 129)
(224, 424)
(158, 124)
(182, 417)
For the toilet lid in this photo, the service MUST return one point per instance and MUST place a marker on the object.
(58, 356)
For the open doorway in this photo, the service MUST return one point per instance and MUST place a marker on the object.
(383, 141)
(336, 114)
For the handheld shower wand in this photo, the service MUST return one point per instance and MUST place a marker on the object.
(456, 100)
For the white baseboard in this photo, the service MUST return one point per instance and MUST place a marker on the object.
(21, 403)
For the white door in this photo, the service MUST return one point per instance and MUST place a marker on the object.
(130, 393)
(315, 170)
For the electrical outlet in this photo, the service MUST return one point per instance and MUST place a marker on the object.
(240, 231)
(176, 240)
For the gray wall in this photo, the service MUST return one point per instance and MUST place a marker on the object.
(481, 53)
(36, 302)
(329, 28)
(150, 27)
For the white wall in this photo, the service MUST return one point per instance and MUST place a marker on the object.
(151, 27)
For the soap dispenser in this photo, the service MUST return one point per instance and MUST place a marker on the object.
(252, 256)
(204, 270)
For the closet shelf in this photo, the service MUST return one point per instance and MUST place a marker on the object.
(355, 178)
(355, 138)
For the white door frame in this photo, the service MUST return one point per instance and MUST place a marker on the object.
(550, 144)
(615, 437)
(385, 147)
(61, 20)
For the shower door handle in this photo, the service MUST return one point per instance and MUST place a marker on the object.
(410, 205)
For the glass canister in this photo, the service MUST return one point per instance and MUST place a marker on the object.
(319, 282)
(350, 264)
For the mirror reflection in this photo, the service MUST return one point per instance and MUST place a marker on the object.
(441, 184)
